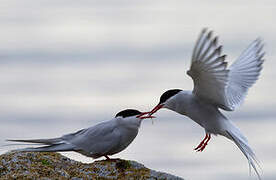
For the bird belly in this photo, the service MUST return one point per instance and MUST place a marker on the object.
(206, 115)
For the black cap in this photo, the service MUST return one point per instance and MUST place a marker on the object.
(166, 95)
(128, 113)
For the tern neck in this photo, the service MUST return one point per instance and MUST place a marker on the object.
(130, 122)
(179, 102)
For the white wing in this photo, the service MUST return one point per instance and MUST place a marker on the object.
(208, 70)
(244, 72)
(218, 85)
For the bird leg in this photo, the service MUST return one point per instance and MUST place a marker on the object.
(203, 143)
(107, 158)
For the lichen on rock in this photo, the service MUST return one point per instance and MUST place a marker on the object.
(34, 165)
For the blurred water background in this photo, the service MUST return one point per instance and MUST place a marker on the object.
(67, 65)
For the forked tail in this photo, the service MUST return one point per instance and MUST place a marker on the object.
(48, 145)
(243, 145)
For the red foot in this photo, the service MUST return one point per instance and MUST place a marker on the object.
(203, 143)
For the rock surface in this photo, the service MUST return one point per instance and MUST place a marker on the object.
(33, 165)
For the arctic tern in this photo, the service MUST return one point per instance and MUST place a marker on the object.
(104, 139)
(217, 87)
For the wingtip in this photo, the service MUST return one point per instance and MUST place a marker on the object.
(223, 58)
(205, 29)
(14, 140)
(10, 140)
(259, 39)
(215, 40)
(219, 49)
(259, 42)
(208, 31)
(209, 35)
(262, 55)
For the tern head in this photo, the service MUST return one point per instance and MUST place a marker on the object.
(133, 112)
(165, 97)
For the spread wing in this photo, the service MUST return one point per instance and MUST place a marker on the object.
(225, 88)
(208, 70)
(244, 72)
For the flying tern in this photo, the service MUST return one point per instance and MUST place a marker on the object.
(217, 87)
(104, 139)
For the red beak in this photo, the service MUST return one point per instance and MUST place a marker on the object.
(150, 113)
(154, 110)
(145, 117)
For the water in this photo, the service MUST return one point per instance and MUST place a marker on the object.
(67, 66)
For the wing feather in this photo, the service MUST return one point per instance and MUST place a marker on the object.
(244, 72)
(225, 88)
(208, 70)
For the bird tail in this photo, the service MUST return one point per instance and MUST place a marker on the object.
(236, 136)
(50, 145)
(38, 141)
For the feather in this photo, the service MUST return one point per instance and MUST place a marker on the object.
(246, 150)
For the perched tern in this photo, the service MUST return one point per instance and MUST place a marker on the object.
(217, 87)
(104, 139)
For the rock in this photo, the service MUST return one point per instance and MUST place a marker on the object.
(34, 165)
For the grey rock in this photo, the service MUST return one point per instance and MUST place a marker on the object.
(34, 165)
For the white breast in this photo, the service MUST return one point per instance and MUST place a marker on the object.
(206, 115)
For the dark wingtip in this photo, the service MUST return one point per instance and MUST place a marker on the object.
(204, 30)
(209, 35)
(11, 140)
